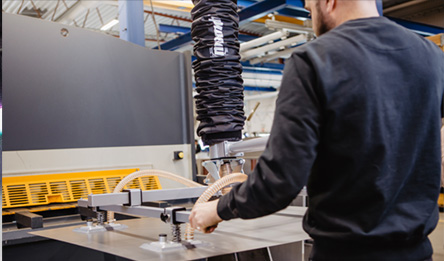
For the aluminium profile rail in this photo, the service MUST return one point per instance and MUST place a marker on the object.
(100, 200)
(129, 202)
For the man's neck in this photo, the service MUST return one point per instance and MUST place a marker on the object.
(355, 10)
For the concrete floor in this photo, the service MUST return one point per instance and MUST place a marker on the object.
(437, 238)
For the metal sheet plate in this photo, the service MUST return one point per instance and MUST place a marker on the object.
(88, 90)
(231, 236)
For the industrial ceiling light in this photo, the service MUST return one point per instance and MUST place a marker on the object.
(263, 40)
(280, 54)
(272, 24)
(261, 51)
(109, 25)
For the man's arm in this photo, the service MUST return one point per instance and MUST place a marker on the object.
(442, 129)
(283, 168)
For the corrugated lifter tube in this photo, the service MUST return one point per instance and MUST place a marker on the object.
(151, 172)
(213, 189)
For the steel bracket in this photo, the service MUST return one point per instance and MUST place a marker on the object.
(134, 197)
(169, 215)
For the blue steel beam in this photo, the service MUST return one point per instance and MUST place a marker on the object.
(259, 89)
(261, 70)
(264, 66)
(175, 29)
(253, 88)
(296, 4)
(295, 8)
(297, 13)
(245, 3)
(246, 38)
(259, 10)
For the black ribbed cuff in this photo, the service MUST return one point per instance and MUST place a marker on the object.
(225, 208)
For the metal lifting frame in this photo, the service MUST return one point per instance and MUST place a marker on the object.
(130, 202)
(124, 198)
(233, 149)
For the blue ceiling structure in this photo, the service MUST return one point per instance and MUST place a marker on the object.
(252, 10)
(167, 28)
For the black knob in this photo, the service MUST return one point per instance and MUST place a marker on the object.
(164, 217)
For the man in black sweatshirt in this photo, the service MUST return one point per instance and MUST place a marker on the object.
(358, 117)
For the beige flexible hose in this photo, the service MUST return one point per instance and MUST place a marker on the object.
(150, 172)
(210, 191)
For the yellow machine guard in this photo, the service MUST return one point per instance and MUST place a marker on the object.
(35, 190)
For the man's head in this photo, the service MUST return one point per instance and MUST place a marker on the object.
(327, 14)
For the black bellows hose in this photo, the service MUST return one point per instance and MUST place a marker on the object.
(217, 69)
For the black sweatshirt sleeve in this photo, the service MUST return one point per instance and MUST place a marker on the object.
(442, 100)
(283, 168)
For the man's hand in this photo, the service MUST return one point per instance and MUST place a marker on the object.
(204, 216)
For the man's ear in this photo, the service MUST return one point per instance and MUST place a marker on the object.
(331, 5)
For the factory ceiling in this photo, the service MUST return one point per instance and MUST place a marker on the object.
(167, 23)
(94, 15)
(429, 12)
